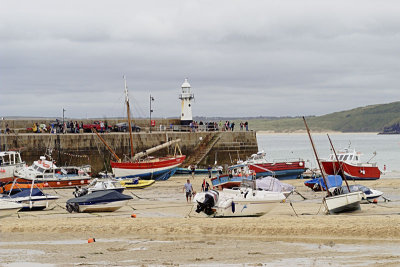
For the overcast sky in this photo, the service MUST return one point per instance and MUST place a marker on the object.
(242, 58)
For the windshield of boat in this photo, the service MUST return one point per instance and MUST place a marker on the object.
(38, 168)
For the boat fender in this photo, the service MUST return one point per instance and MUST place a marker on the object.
(233, 206)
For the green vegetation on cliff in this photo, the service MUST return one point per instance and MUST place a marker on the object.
(371, 118)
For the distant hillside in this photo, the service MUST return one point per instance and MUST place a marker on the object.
(371, 118)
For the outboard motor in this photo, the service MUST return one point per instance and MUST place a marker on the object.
(210, 199)
(80, 192)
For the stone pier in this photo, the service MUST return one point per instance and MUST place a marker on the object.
(86, 148)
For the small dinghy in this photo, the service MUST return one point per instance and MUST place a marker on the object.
(8, 208)
(109, 200)
(136, 183)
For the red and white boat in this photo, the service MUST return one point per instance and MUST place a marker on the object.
(141, 165)
(46, 172)
(10, 161)
(282, 169)
(352, 165)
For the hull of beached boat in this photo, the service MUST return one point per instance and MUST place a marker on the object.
(238, 203)
(196, 171)
(344, 203)
(159, 169)
(8, 208)
(58, 183)
(98, 202)
(129, 184)
(35, 202)
(102, 207)
(364, 171)
(280, 170)
(246, 209)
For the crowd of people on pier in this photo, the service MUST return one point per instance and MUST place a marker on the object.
(214, 126)
(58, 126)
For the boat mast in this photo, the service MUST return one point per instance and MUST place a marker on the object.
(316, 156)
(340, 163)
(129, 117)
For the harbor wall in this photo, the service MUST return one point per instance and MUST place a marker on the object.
(86, 148)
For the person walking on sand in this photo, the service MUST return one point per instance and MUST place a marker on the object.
(192, 170)
(188, 189)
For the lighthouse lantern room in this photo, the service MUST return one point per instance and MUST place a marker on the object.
(186, 98)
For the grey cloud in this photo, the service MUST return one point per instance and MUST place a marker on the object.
(242, 58)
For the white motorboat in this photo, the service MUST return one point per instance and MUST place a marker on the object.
(98, 202)
(242, 202)
(51, 175)
(31, 198)
(100, 185)
(8, 208)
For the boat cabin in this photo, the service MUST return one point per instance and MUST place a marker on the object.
(347, 155)
(9, 158)
(257, 158)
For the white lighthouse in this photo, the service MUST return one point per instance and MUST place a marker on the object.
(186, 97)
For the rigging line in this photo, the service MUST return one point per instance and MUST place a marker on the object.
(190, 212)
(290, 202)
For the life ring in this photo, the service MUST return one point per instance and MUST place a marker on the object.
(46, 165)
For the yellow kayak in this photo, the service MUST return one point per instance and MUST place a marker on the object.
(136, 184)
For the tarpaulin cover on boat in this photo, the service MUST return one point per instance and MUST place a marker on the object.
(332, 180)
(272, 184)
(100, 196)
(26, 192)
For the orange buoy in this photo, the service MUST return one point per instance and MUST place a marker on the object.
(91, 240)
(375, 201)
(133, 215)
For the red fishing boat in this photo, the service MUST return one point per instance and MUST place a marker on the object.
(282, 169)
(352, 165)
(142, 165)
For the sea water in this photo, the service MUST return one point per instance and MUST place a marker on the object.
(291, 146)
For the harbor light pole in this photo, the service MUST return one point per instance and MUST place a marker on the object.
(63, 119)
(151, 111)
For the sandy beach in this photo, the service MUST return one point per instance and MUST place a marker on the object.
(166, 231)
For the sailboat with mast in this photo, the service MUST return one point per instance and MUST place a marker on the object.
(142, 165)
(337, 201)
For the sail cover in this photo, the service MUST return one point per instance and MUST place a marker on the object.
(272, 184)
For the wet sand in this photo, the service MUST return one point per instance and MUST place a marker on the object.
(167, 231)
